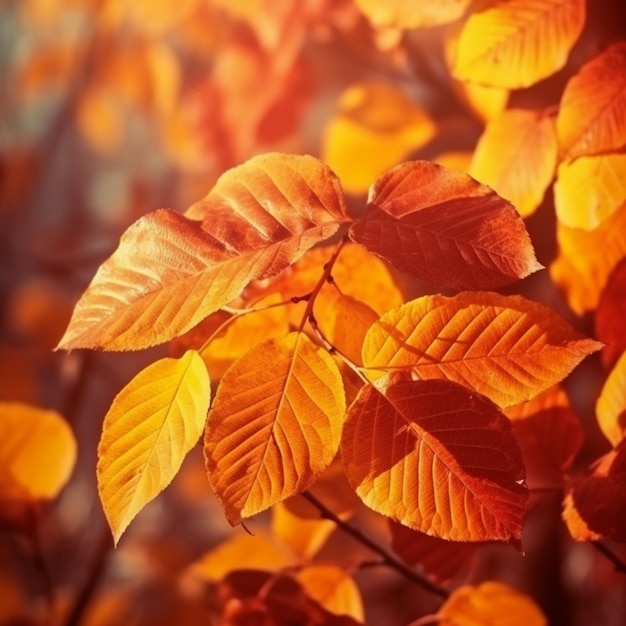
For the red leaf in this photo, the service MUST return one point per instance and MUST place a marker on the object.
(610, 319)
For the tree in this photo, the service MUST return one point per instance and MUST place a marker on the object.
(361, 364)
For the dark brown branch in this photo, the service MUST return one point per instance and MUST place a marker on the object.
(620, 566)
(388, 559)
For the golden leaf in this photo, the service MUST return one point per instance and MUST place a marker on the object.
(149, 429)
(611, 405)
(407, 14)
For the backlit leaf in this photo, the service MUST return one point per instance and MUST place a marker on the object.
(274, 426)
(171, 271)
(589, 190)
(445, 460)
(611, 405)
(516, 155)
(439, 558)
(550, 436)
(587, 258)
(610, 320)
(490, 603)
(37, 452)
(592, 113)
(508, 348)
(516, 43)
(374, 128)
(445, 228)
(407, 14)
(149, 429)
(595, 504)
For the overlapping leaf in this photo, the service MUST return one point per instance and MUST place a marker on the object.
(589, 190)
(595, 504)
(149, 429)
(610, 320)
(516, 43)
(592, 113)
(436, 457)
(445, 228)
(516, 155)
(508, 348)
(408, 15)
(611, 405)
(374, 128)
(274, 426)
(490, 603)
(171, 271)
(587, 258)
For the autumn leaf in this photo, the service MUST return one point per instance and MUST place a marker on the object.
(587, 258)
(439, 558)
(37, 452)
(508, 348)
(589, 190)
(171, 271)
(274, 426)
(514, 44)
(151, 426)
(550, 436)
(516, 155)
(610, 319)
(445, 228)
(592, 112)
(595, 504)
(445, 460)
(407, 15)
(611, 404)
(374, 128)
(490, 603)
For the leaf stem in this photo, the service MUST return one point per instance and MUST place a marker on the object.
(388, 559)
(620, 566)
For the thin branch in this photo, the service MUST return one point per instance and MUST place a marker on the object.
(388, 559)
(620, 566)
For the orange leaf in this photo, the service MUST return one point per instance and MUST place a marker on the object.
(595, 504)
(439, 558)
(445, 228)
(610, 321)
(490, 603)
(149, 429)
(99, 118)
(587, 258)
(407, 15)
(374, 128)
(516, 155)
(589, 190)
(592, 113)
(37, 452)
(169, 271)
(550, 436)
(274, 426)
(506, 347)
(514, 43)
(445, 460)
(611, 405)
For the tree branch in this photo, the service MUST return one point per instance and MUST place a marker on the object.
(620, 566)
(388, 559)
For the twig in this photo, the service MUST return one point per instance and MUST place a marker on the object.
(388, 559)
(620, 566)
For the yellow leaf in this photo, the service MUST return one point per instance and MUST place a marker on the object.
(274, 426)
(37, 452)
(589, 190)
(454, 159)
(374, 128)
(516, 156)
(149, 429)
(587, 258)
(611, 405)
(490, 603)
(514, 43)
(506, 347)
(408, 14)
(333, 588)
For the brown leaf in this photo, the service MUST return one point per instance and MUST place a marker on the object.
(170, 271)
(445, 228)
(445, 460)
